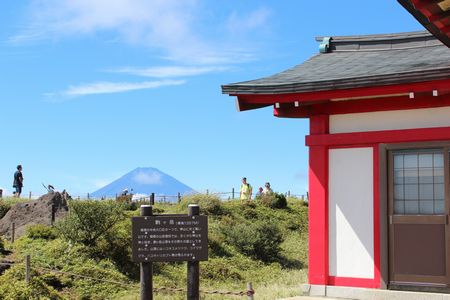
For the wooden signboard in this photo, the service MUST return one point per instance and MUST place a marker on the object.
(170, 238)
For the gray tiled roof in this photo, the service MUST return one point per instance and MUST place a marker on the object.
(358, 62)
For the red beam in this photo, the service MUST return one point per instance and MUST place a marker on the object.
(354, 282)
(419, 4)
(439, 16)
(386, 136)
(445, 29)
(317, 96)
(360, 106)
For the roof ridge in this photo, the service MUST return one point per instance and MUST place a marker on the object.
(378, 37)
(388, 49)
(377, 42)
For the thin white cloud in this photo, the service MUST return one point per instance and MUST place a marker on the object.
(243, 23)
(112, 87)
(171, 71)
(147, 178)
(172, 26)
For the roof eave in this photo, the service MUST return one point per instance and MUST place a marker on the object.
(346, 83)
(439, 33)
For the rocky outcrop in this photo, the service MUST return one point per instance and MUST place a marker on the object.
(33, 212)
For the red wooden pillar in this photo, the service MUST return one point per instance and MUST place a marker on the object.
(318, 204)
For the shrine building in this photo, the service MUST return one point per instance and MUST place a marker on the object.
(379, 155)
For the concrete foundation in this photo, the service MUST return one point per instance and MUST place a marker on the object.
(341, 292)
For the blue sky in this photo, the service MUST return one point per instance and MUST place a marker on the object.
(91, 89)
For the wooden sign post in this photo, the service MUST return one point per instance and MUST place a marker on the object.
(193, 267)
(168, 238)
(146, 272)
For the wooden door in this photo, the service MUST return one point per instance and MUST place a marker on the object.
(418, 217)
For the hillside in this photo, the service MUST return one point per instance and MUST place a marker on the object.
(260, 241)
(144, 181)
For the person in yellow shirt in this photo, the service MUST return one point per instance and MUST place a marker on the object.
(246, 190)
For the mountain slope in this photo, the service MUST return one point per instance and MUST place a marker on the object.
(144, 181)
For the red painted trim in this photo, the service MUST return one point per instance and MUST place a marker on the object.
(353, 282)
(317, 96)
(445, 29)
(386, 136)
(319, 124)
(376, 216)
(360, 106)
(318, 207)
(423, 4)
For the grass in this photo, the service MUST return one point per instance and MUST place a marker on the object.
(226, 270)
(278, 279)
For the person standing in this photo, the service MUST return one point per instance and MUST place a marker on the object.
(18, 181)
(267, 189)
(246, 190)
(259, 193)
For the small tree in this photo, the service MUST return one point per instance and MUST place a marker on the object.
(89, 220)
(274, 200)
(261, 240)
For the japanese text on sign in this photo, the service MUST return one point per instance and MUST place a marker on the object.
(170, 238)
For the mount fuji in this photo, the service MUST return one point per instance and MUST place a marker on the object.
(144, 181)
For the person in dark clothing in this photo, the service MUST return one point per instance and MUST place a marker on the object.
(18, 181)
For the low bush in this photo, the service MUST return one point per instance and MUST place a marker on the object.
(13, 286)
(220, 269)
(116, 246)
(61, 255)
(260, 240)
(40, 231)
(209, 204)
(89, 220)
(216, 242)
(275, 200)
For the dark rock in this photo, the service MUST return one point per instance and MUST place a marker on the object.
(34, 212)
(5, 265)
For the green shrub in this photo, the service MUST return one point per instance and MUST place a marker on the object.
(130, 206)
(260, 240)
(88, 220)
(86, 288)
(209, 204)
(219, 269)
(61, 255)
(216, 242)
(116, 246)
(13, 286)
(40, 231)
(275, 200)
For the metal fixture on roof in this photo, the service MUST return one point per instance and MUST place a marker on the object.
(323, 48)
(425, 57)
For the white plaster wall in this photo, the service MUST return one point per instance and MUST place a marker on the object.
(350, 199)
(391, 120)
